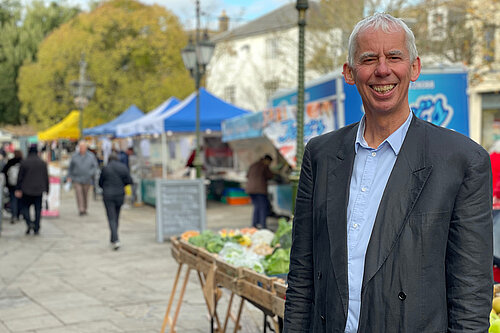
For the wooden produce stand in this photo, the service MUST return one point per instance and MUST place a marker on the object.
(266, 293)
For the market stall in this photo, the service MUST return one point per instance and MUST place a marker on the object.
(177, 126)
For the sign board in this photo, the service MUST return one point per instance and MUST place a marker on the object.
(180, 206)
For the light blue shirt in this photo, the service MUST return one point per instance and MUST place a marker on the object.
(371, 170)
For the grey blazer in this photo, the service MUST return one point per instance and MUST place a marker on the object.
(428, 265)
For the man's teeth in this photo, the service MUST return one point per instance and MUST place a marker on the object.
(384, 89)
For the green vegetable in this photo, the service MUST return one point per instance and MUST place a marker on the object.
(215, 244)
(285, 231)
(209, 240)
(278, 262)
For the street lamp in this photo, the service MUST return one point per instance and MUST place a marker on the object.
(301, 7)
(196, 57)
(82, 91)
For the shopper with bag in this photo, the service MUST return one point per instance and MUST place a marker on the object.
(114, 177)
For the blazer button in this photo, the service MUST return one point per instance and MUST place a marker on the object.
(402, 296)
(319, 275)
(322, 318)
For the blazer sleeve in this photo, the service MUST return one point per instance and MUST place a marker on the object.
(300, 292)
(469, 257)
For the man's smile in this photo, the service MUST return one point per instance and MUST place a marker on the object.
(383, 89)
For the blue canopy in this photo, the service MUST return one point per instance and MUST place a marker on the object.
(128, 115)
(182, 117)
(137, 126)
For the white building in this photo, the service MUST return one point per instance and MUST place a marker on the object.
(254, 60)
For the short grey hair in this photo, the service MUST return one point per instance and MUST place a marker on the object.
(387, 24)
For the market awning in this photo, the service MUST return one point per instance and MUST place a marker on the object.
(137, 127)
(128, 115)
(65, 129)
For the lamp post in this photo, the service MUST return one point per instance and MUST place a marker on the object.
(82, 91)
(196, 57)
(301, 7)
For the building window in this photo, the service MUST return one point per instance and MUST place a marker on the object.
(271, 87)
(489, 43)
(230, 94)
(272, 48)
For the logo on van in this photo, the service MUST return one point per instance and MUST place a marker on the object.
(433, 108)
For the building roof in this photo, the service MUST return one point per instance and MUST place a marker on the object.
(282, 18)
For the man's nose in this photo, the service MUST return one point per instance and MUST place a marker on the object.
(382, 68)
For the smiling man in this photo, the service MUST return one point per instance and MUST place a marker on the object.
(392, 229)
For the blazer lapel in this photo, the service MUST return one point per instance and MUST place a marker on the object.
(340, 166)
(403, 188)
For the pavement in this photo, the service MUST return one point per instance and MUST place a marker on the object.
(68, 280)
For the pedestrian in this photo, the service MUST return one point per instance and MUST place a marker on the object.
(32, 182)
(82, 167)
(11, 172)
(257, 177)
(392, 229)
(114, 177)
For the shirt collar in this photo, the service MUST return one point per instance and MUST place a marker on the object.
(395, 140)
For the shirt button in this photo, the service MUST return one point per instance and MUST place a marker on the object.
(355, 225)
(363, 189)
(374, 154)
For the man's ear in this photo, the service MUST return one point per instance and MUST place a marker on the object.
(415, 70)
(348, 76)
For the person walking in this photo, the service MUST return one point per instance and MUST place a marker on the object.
(114, 177)
(32, 182)
(81, 172)
(257, 177)
(11, 172)
(392, 231)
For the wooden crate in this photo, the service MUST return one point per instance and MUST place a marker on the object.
(257, 288)
(227, 275)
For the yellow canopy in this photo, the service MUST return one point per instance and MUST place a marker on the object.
(66, 129)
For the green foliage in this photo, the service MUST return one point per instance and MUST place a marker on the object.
(19, 42)
(133, 56)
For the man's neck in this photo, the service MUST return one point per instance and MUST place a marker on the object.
(378, 128)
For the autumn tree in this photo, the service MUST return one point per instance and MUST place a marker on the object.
(133, 56)
(19, 40)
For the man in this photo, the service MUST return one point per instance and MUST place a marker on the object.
(32, 182)
(392, 229)
(257, 177)
(81, 172)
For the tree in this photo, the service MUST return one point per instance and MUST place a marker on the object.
(329, 31)
(19, 40)
(133, 56)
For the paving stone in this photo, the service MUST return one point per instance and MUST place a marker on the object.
(32, 323)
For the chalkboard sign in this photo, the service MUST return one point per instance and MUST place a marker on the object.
(180, 206)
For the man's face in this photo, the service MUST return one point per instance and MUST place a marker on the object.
(83, 148)
(382, 71)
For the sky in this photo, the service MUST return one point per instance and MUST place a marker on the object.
(239, 11)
